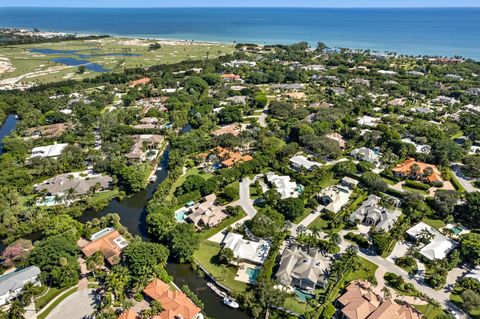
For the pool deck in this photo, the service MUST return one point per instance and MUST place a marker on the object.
(242, 274)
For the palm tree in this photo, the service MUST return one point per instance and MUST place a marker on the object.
(94, 262)
(414, 169)
(336, 239)
(316, 231)
(386, 293)
(16, 311)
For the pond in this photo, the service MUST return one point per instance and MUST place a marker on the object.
(75, 62)
(7, 126)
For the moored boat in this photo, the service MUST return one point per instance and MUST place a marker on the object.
(231, 303)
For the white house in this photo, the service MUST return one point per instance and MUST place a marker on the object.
(366, 154)
(284, 185)
(334, 197)
(299, 161)
(48, 151)
(438, 247)
(247, 250)
(12, 283)
(368, 121)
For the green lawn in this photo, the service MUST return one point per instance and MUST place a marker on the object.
(429, 311)
(294, 304)
(40, 67)
(456, 298)
(435, 223)
(224, 224)
(45, 299)
(414, 190)
(367, 271)
(103, 196)
(44, 314)
(206, 255)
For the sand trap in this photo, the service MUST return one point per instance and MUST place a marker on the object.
(6, 66)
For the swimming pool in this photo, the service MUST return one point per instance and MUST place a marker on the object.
(180, 216)
(303, 296)
(252, 274)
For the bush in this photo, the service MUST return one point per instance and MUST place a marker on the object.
(417, 185)
(358, 239)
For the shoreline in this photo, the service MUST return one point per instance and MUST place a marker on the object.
(173, 41)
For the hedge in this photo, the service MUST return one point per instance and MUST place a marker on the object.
(358, 239)
(417, 185)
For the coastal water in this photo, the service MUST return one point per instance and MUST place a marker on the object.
(445, 32)
(6, 127)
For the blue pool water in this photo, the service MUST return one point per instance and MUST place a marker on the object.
(302, 296)
(180, 216)
(252, 274)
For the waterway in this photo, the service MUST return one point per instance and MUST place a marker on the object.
(6, 127)
(132, 214)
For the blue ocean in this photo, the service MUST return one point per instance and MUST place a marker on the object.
(443, 32)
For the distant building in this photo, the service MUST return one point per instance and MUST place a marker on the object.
(305, 269)
(371, 213)
(368, 121)
(109, 242)
(284, 186)
(143, 81)
(47, 131)
(366, 155)
(60, 185)
(418, 170)
(50, 151)
(334, 198)
(11, 284)
(233, 129)
(299, 161)
(239, 63)
(247, 250)
(230, 77)
(337, 138)
(142, 144)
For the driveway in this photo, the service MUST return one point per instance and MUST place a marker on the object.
(245, 202)
(462, 179)
(78, 305)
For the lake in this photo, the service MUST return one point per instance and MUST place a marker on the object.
(6, 128)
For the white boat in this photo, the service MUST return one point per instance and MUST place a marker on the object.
(216, 290)
(231, 303)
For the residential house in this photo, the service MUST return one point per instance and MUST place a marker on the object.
(11, 284)
(109, 242)
(148, 123)
(371, 213)
(368, 121)
(386, 72)
(294, 95)
(246, 250)
(337, 138)
(238, 99)
(419, 148)
(360, 302)
(295, 87)
(75, 183)
(47, 131)
(49, 151)
(415, 73)
(239, 63)
(233, 129)
(284, 186)
(418, 170)
(224, 156)
(334, 198)
(299, 161)
(129, 314)
(438, 245)
(206, 213)
(366, 154)
(175, 304)
(349, 182)
(230, 77)
(397, 102)
(305, 269)
(136, 83)
(142, 144)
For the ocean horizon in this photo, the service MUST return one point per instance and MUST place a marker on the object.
(412, 31)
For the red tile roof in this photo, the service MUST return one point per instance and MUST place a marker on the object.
(139, 82)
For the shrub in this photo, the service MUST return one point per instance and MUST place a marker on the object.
(417, 185)
(358, 239)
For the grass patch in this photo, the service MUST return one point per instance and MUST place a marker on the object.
(429, 311)
(306, 212)
(321, 223)
(46, 298)
(292, 303)
(435, 223)
(102, 197)
(44, 314)
(206, 256)
(414, 190)
(456, 298)
(224, 224)
(366, 272)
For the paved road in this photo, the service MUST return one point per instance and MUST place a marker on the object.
(263, 117)
(76, 306)
(311, 217)
(462, 179)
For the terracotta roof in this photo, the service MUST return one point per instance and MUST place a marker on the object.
(108, 246)
(233, 129)
(231, 76)
(359, 302)
(139, 82)
(129, 314)
(175, 303)
(236, 158)
(405, 168)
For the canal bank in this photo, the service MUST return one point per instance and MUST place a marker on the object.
(132, 212)
(6, 128)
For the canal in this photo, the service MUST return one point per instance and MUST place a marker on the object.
(132, 214)
(7, 126)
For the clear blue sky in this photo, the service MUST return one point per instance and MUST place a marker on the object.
(240, 3)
